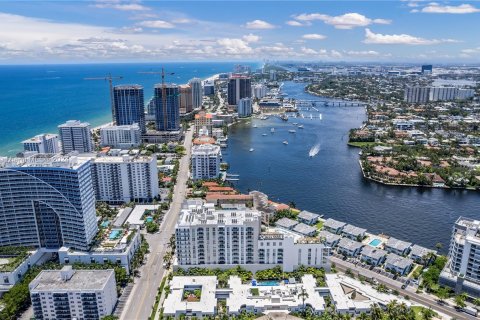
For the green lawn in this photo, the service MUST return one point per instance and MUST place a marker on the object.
(361, 144)
(418, 312)
(320, 225)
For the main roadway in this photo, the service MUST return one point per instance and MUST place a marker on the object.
(423, 299)
(142, 298)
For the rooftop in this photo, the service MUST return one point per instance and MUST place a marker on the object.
(398, 244)
(353, 230)
(420, 251)
(128, 87)
(74, 123)
(333, 224)
(350, 245)
(328, 236)
(197, 213)
(38, 138)
(307, 215)
(398, 261)
(286, 223)
(373, 253)
(43, 161)
(54, 280)
(304, 229)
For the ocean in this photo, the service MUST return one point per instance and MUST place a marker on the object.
(35, 99)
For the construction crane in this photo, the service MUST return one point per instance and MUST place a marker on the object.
(109, 78)
(164, 92)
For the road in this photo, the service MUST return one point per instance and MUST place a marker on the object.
(423, 299)
(140, 302)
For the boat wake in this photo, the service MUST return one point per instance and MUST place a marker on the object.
(314, 150)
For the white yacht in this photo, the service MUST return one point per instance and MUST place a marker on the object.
(272, 130)
(285, 142)
(292, 131)
(251, 149)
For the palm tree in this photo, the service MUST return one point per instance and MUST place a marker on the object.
(363, 316)
(427, 314)
(303, 295)
(376, 313)
(392, 309)
(476, 302)
(460, 300)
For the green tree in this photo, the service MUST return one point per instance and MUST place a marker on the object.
(304, 295)
(376, 313)
(460, 300)
(428, 314)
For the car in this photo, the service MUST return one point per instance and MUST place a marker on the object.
(403, 286)
(371, 267)
(407, 282)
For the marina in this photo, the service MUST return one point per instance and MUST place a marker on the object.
(331, 182)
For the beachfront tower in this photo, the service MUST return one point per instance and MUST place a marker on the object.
(167, 118)
(129, 105)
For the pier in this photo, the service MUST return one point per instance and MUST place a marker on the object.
(308, 105)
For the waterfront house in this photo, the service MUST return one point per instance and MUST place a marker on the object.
(353, 232)
(305, 229)
(308, 217)
(349, 247)
(419, 254)
(328, 238)
(397, 246)
(373, 256)
(397, 264)
(333, 226)
(286, 223)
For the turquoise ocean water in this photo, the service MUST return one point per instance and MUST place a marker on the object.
(35, 99)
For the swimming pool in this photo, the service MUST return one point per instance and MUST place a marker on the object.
(375, 242)
(268, 283)
(114, 234)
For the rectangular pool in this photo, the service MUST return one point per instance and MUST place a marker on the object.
(375, 242)
(269, 283)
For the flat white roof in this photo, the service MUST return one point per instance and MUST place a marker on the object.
(175, 303)
(342, 290)
(135, 218)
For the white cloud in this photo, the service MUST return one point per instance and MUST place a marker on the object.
(119, 5)
(234, 46)
(366, 53)
(182, 20)
(259, 24)
(294, 23)
(378, 38)
(345, 21)
(313, 36)
(460, 9)
(156, 24)
(251, 37)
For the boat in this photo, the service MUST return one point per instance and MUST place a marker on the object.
(285, 142)
(292, 131)
(295, 123)
(264, 134)
(263, 118)
(272, 130)
(284, 117)
(251, 149)
(300, 126)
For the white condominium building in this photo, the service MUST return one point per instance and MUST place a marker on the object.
(122, 137)
(259, 91)
(206, 160)
(244, 107)
(462, 271)
(443, 93)
(47, 201)
(124, 179)
(75, 136)
(230, 237)
(417, 94)
(73, 294)
(208, 236)
(42, 143)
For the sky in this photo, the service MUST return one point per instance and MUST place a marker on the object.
(145, 31)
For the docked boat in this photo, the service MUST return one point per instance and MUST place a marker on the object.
(284, 117)
(285, 142)
(251, 149)
(292, 131)
(300, 126)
